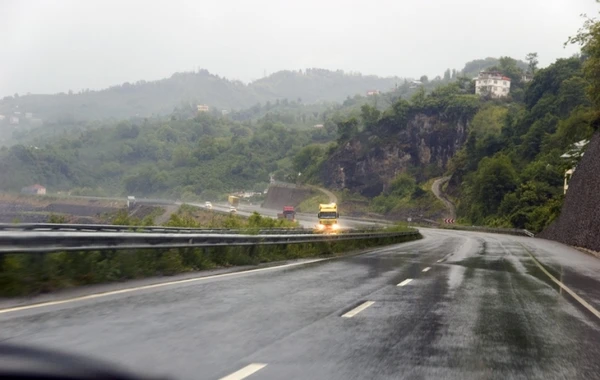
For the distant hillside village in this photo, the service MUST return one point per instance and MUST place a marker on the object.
(18, 118)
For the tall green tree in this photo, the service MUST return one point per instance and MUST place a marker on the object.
(588, 37)
(369, 116)
(532, 62)
(495, 177)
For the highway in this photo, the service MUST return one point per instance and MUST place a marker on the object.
(305, 220)
(455, 305)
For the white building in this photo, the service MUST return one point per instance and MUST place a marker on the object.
(202, 108)
(415, 84)
(492, 83)
(576, 151)
(526, 78)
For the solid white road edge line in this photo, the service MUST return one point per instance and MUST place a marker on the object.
(153, 286)
(405, 282)
(245, 372)
(583, 302)
(357, 309)
(426, 269)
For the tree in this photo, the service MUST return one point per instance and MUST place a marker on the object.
(424, 79)
(347, 129)
(487, 126)
(495, 177)
(508, 66)
(532, 62)
(588, 37)
(403, 185)
(447, 75)
(369, 116)
(306, 157)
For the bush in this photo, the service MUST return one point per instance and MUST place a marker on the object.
(33, 274)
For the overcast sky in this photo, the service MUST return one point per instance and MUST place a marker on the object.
(54, 46)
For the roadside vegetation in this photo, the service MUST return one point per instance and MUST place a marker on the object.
(311, 205)
(31, 274)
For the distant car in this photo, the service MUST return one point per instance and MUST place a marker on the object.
(232, 209)
(208, 205)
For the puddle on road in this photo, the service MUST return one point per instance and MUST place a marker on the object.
(456, 275)
(483, 249)
(535, 271)
(478, 262)
(502, 323)
(469, 247)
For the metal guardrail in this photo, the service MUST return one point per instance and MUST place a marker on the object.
(509, 231)
(66, 227)
(45, 242)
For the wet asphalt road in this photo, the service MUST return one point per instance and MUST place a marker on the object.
(484, 312)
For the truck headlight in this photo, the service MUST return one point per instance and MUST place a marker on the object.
(335, 226)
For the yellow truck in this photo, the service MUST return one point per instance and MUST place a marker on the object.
(328, 217)
(234, 202)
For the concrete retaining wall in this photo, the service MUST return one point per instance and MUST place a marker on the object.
(279, 196)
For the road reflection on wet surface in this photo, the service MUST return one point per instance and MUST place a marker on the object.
(483, 309)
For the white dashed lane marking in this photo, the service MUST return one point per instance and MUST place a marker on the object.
(357, 309)
(245, 372)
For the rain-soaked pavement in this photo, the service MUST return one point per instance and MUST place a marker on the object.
(483, 310)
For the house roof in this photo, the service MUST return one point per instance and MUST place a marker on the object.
(36, 186)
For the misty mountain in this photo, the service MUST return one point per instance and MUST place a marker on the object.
(146, 99)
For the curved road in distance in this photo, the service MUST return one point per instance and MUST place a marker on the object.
(436, 188)
(455, 305)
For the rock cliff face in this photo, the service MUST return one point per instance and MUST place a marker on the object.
(367, 163)
(579, 220)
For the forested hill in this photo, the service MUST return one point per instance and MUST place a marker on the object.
(145, 99)
(505, 156)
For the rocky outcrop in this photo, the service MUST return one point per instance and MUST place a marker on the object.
(579, 220)
(367, 163)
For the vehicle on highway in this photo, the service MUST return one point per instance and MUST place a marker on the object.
(328, 217)
(232, 210)
(208, 205)
(288, 213)
(233, 201)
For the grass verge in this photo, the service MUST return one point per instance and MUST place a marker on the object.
(311, 205)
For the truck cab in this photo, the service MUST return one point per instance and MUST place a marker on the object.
(289, 213)
(328, 217)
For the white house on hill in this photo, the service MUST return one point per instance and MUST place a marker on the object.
(492, 83)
